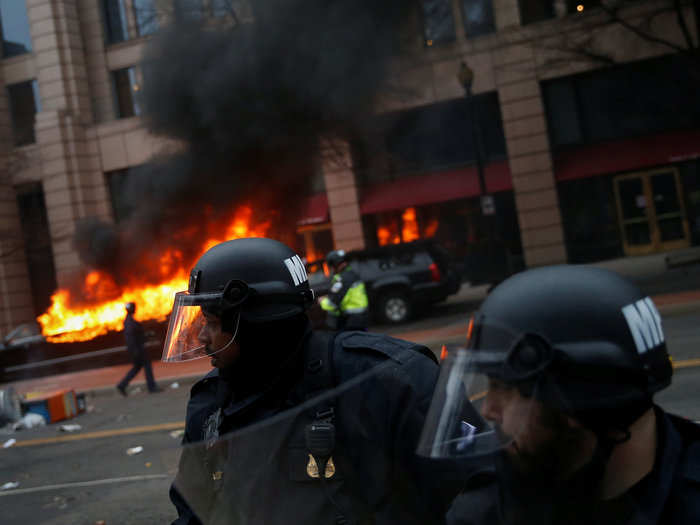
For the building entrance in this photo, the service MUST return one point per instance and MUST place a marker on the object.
(651, 212)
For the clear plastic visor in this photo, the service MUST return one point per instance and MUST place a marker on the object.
(190, 334)
(474, 411)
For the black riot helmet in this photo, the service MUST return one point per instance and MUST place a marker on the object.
(335, 258)
(592, 340)
(256, 280)
(580, 340)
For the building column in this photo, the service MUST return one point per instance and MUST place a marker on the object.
(341, 190)
(529, 156)
(506, 13)
(16, 304)
(68, 164)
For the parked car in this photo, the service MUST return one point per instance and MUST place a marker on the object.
(400, 278)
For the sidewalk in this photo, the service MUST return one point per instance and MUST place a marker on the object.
(102, 381)
(675, 292)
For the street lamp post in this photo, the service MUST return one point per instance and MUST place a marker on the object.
(466, 79)
(484, 257)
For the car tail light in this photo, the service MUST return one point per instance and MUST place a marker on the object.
(435, 273)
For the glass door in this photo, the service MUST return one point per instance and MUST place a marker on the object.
(651, 211)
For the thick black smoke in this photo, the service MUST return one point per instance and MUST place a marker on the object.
(248, 101)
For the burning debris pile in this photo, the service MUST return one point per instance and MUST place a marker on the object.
(248, 102)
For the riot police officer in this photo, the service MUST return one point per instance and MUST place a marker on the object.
(346, 305)
(564, 363)
(291, 425)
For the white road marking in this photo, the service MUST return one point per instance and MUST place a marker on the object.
(82, 484)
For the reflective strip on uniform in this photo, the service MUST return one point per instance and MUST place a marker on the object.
(355, 300)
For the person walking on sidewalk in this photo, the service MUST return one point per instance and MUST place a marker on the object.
(135, 338)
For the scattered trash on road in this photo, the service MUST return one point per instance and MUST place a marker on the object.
(136, 390)
(175, 385)
(134, 450)
(9, 485)
(9, 443)
(70, 428)
(90, 408)
(177, 433)
(148, 464)
(30, 420)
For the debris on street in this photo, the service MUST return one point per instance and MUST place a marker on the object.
(9, 485)
(70, 428)
(175, 385)
(9, 443)
(175, 434)
(134, 450)
(30, 420)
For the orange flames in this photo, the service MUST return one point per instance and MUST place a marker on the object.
(67, 322)
(391, 233)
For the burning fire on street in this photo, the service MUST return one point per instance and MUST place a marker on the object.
(99, 307)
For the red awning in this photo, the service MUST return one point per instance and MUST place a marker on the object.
(433, 187)
(314, 210)
(625, 155)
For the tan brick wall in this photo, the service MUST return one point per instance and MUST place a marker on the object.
(343, 204)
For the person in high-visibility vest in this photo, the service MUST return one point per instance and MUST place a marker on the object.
(346, 305)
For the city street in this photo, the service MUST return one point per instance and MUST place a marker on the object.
(87, 477)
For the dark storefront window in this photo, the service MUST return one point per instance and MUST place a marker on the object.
(590, 220)
(690, 182)
(460, 228)
(434, 137)
(631, 100)
(438, 22)
(123, 202)
(114, 14)
(535, 10)
(146, 16)
(37, 244)
(16, 39)
(189, 9)
(24, 104)
(125, 90)
(478, 17)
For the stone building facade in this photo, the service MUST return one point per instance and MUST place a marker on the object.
(74, 59)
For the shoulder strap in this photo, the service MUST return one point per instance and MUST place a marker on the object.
(318, 374)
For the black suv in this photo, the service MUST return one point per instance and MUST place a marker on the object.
(399, 278)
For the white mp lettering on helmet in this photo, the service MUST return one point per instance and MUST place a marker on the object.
(296, 270)
(644, 323)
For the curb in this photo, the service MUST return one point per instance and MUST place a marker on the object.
(111, 391)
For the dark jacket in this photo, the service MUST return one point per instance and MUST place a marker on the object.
(261, 475)
(669, 494)
(134, 335)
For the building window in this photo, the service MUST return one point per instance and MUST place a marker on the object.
(631, 100)
(441, 136)
(123, 204)
(221, 7)
(16, 39)
(535, 10)
(438, 22)
(146, 16)
(189, 9)
(478, 17)
(126, 88)
(115, 21)
(37, 244)
(24, 104)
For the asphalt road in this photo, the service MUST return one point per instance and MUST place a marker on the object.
(91, 479)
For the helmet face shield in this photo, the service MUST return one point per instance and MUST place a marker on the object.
(187, 324)
(483, 402)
